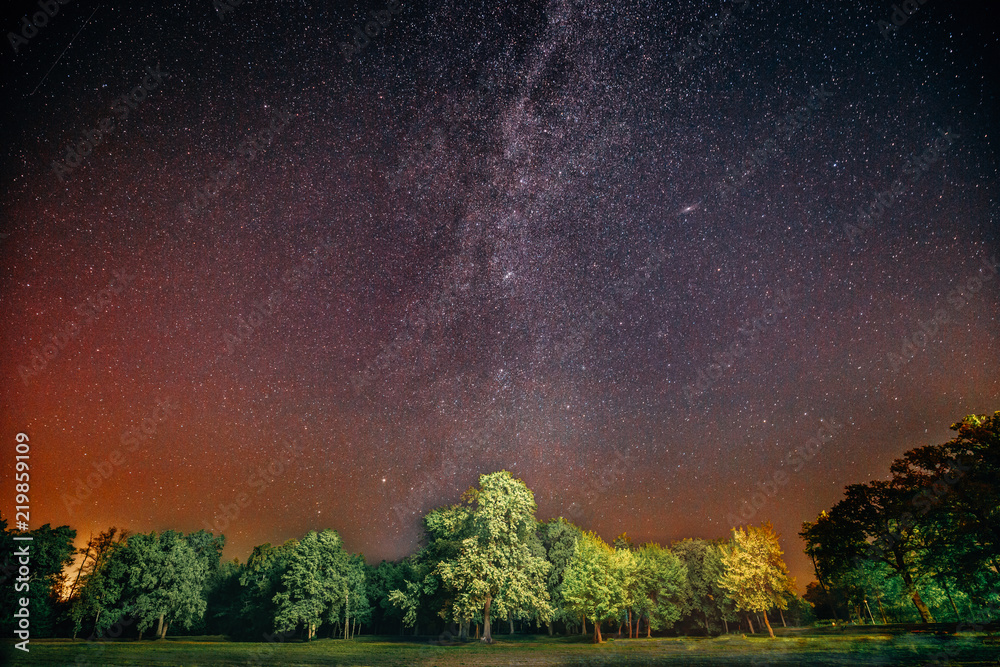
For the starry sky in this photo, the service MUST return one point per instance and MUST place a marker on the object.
(264, 273)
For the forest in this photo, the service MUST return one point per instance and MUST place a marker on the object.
(919, 546)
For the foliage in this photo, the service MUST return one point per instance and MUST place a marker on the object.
(316, 583)
(495, 568)
(593, 585)
(756, 577)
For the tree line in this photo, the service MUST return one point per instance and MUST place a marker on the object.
(922, 543)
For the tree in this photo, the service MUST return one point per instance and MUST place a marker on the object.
(703, 598)
(356, 609)
(592, 585)
(161, 578)
(955, 497)
(495, 569)
(873, 522)
(50, 552)
(559, 538)
(382, 580)
(223, 600)
(260, 581)
(314, 584)
(96, 593)
(624, 567)
(756, 577)
(931, 532)
(660, 587)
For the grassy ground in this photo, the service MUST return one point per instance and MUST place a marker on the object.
(791, 648)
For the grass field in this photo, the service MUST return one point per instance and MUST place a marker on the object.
(790, 648)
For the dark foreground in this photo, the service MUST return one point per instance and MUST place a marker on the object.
(793, 647)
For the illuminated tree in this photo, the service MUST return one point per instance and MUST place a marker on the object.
(593, 585)
(756, 577)
(495, 569)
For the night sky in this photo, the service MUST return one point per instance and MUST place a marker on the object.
(312, 285)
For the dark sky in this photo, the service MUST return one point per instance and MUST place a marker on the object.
(547, 237)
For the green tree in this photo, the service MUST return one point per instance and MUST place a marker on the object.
(96, 590)
(873, 522)
(260, 581)
(756, 577)
(314, 584)
(50, 552)
(382, 580)
(592, 585)
(559, 538)
(356, 609)
(495, 569)
(704, 599)
(661, 580)
(165, 580)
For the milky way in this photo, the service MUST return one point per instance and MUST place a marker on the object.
(658, 261)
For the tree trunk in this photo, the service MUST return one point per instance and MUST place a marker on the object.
(159, 625)
(725, 624)
(463, 630)
(347, 614)
(826, 591)
(597, 633)
(550, 628)
(487, 637)
(705, 614)
(925, 613)
(510, 619)
(477, 629)
(878, 599)
(164, 634)
(750, 623)
(782, 615)
(76, 581)
(584, 624)
(870, 614)
(649, 628)
(947, 591)
(911, 588)
(768, 624)
(630, 625)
